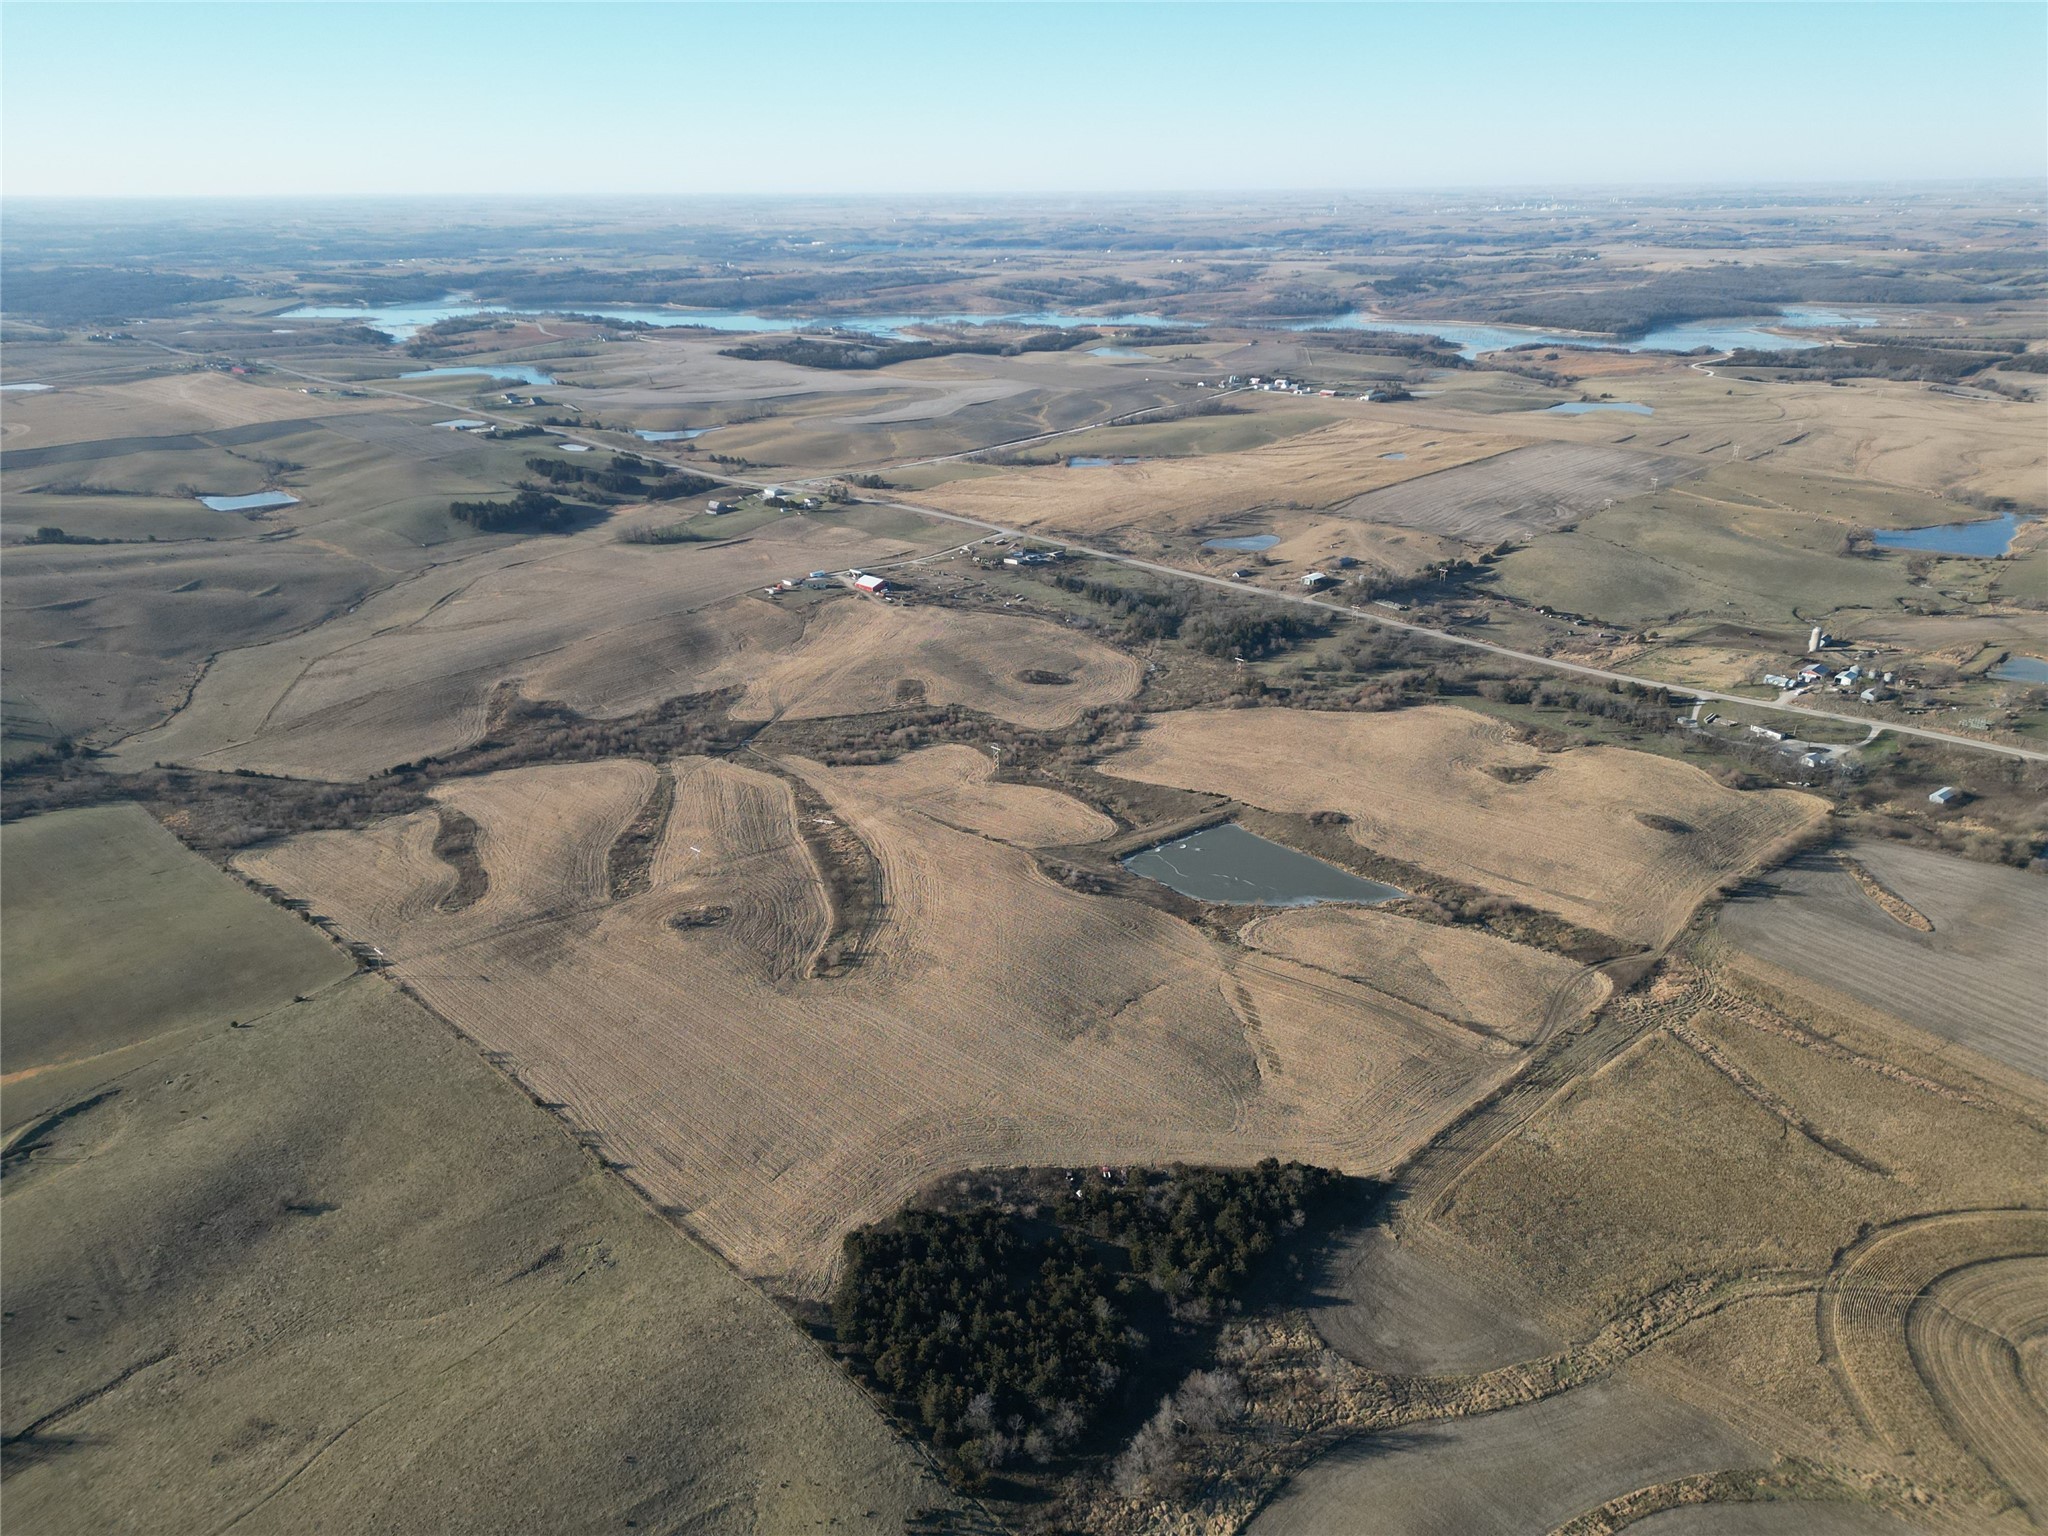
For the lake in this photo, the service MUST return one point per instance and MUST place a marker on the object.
(2021, 669)
(1471, 340)
(1984, 538)
(1244, 541)
(670, 437)
(405, 320)
(256, 502)
(1582, 407)
(521, 372)
(1227, 863)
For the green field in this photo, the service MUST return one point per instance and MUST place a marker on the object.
(121, 944)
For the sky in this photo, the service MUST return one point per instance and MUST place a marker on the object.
(481, 98)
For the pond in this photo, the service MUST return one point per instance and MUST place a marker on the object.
(1226, 863)
(1985, 538)
(1396, 457)
(519, 372)
(2021, 669)
(1581, 407)
(256, 502)
(1244, 541)
(669, 437)
(1118, 352)
(462, 424)
(26, 389)
(405, 320)
(1083, 462)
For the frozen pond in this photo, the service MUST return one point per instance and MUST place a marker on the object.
(521, 372)
(1082, 462)
(670, 437)
(2021, 669)
(1227, 863)
(1985, 538)
(24, 388)
(256, 502)
(1244, 541)
(1582, 407)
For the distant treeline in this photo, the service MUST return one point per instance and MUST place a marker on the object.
(1006, 1331)
(1880, 360)
(1042, 292)
(1672, 298)
(818, 352)
(50, 535)
(80, 293)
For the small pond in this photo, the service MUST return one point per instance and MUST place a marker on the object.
(1396, 457)
(1244, 541)
(2021, 669)
(462, 424)
(669, 437)
(1082, 462)
(1582, 407)
(24, 388)
(1984, 538)
(520, 372)
(257, 502)
(1118, 352)
(1226, 863)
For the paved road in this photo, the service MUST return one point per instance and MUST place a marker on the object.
(1303, 599)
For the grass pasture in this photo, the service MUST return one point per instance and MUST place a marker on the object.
(1456, 793)
(121, 944)
(990, 1016)
(334, 1273)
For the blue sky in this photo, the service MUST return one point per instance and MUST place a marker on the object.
(318, 99)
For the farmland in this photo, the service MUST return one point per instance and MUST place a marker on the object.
(1454, 792)
(198, 951)
(619, 911)
(1137, 1038)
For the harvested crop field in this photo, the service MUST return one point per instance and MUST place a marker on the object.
(1456, 793)
(1511, 1473)
(1975, 977)
(1421, 1307)
(121, 943)
(1322, 468)
(859, 657)
(984, 1015)
(1799, 1518)
(334, 1273)
(956, 785)
(1465, 975)
(1516, 494)
(605, 628)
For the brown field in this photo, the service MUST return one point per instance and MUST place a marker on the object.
(956, 786)
(334, 1273)
(1417, 786)
(1317, 469)
(994, 1017)
(1974, 979)
(1512, 495)
(1460, 973)
(604, 627)
(195, 402)
(1901, 435)
(1522, 1470)
(858, 656)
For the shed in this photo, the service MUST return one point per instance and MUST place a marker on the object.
(875, 586)
(1948, 794)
